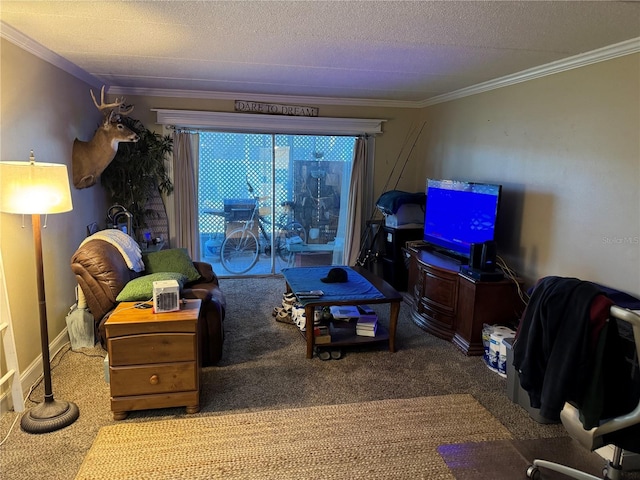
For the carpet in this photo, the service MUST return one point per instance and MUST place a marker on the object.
(382, 439)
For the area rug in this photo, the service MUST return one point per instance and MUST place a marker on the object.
(385, 439)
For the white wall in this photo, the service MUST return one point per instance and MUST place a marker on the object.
(44, 109)
(566, 149)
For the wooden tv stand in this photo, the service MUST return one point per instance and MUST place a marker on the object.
(454, 307)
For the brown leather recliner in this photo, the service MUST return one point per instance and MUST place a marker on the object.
(102, 273)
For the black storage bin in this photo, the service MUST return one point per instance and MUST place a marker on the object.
(515, 392)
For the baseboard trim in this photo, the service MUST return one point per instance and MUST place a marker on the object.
(33, 372)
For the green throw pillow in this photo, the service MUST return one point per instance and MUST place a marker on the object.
(141, 288)
(172, 260)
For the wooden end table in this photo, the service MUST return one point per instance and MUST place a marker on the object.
(153, 358)
(313, 274)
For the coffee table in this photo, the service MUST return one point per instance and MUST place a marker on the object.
(362, 288)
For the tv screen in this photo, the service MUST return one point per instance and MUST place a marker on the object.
(458, 214)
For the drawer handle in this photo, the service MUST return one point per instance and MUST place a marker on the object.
(154, 379)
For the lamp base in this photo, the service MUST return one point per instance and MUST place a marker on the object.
(49, 416)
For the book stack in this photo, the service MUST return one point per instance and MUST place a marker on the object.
(322, 335)
(367, 324)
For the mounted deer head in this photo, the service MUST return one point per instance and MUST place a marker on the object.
(89, 159)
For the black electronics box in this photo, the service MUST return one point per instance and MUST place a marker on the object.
(481, 275)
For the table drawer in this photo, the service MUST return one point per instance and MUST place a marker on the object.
(152, 348)
(150, 379)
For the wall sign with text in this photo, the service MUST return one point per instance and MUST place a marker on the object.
(275, 109)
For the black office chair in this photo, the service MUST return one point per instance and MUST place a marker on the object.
(623, 431)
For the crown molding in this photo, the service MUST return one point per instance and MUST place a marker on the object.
(26, 43)
(268, 98)
(260, 123)
(610, 52)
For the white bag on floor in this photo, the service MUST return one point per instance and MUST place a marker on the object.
(80, 324)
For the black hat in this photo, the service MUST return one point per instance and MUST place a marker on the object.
(336, 275)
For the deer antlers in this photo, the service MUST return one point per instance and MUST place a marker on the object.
(118, 105)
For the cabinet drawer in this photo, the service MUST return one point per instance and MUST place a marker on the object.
(440, 292)
(152, 348)
(440, 319)
(149, 379)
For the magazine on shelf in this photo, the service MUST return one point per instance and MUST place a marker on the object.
(344, 312)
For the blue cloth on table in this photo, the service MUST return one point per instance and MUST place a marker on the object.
(303, 279)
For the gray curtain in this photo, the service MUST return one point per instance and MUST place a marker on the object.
(185, 192)
(357, 197)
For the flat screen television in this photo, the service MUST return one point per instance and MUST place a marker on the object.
(460, 213)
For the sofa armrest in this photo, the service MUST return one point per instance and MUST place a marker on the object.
(211, 322)
(101, 273)
(206, 271)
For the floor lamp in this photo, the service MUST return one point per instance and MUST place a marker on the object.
(34, 189)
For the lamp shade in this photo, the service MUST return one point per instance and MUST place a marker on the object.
(34, 188)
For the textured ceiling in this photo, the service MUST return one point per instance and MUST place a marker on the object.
(397, 51)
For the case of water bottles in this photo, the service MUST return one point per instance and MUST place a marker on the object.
(495, 351)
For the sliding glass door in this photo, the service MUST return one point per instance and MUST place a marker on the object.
(269, 201)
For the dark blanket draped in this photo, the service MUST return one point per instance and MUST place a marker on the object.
(567, 351)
